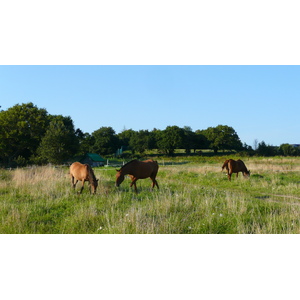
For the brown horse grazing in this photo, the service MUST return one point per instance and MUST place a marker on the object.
(235, 166)
(83, 173)
(138, 170)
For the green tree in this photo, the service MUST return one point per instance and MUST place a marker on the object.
(266, 150)
(154, 137)
(288, 150)
(73, 141)
(222, 137)
(58, 144)
(140, 141)
(106, 141)
(201, 140)
(189, 139)
(125, 136)
(21, 130)
(170, 139)
(86, 142)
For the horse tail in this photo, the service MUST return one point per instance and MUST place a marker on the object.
(225, 165)
(156, 165)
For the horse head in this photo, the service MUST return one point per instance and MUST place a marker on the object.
(247, 173)
(93, 186)
(119, 178)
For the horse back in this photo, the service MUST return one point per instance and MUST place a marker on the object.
(153, 165)
(237, 166)
(79, 171)
(242, 165)
(148, 168)
(143, 169)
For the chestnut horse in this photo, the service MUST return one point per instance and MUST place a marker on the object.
(138, 170)
(83, 173)
(235, 166)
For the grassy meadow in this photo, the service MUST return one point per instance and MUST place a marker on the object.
(194, 197)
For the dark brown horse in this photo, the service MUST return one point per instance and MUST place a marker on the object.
(138, 170)
(83, 173)
(235, 166)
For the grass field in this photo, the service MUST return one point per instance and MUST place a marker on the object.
(194, 197)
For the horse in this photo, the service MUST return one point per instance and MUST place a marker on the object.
(83, 172)
(138, 170)
(235, 166)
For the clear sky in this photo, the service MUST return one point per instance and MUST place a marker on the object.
(259, 102)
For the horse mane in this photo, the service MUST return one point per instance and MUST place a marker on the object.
(134, 160)
(92, 177)
(243, 164)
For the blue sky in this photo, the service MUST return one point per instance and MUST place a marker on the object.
(259, 102)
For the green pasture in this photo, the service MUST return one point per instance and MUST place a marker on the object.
(194, 197)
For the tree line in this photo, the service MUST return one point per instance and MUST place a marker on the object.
(30, 135)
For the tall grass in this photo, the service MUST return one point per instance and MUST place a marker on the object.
(194, 197)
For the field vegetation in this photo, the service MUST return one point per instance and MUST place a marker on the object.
(194, 197)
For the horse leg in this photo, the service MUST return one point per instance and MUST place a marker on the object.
(82, 187)
(154, 183)
(74, 182)
(153, 178)
(229, 176)
(227, 170)
(134, 183)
